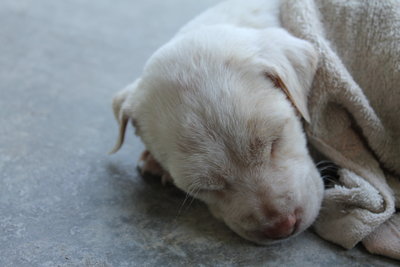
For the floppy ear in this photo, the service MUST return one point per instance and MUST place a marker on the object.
(122, 113)
(290, 63)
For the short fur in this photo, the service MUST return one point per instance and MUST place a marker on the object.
(218, 108)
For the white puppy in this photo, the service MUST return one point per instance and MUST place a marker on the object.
(219, 109)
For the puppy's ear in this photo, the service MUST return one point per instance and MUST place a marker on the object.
(122, 113)
(297, 97)
(290, 63)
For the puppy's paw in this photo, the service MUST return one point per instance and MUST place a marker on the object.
(148, 165)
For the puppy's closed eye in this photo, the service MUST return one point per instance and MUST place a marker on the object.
(263, 149)
(212, 183)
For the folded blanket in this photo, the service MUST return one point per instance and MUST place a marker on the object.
(355, 115)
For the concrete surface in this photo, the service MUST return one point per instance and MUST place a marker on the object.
(63, 200)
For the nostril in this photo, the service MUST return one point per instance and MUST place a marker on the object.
(288, 222)
(283, 228)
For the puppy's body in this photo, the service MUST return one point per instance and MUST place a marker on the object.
(213, 108)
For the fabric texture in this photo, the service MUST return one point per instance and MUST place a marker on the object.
(355, 115)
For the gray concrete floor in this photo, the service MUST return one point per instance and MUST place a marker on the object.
(63, 200)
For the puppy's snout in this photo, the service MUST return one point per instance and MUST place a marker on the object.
(282, 228)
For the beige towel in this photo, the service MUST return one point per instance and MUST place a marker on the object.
(355, 115)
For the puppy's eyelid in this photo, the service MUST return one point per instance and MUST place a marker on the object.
(216, 183)
(214, 188)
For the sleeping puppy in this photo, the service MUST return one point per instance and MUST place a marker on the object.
(219, 109)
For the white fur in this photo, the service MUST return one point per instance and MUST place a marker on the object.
(209, 112)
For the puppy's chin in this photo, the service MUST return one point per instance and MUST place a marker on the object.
(257, 238)
(284, 224)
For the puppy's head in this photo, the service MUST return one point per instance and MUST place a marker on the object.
(220, 109)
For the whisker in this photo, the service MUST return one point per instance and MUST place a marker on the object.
(330, 179)
(335, 168)
(184, 202)
(325, 162)
(193, 191)
(193, 197)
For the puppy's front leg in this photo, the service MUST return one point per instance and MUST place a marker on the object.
(148, 165)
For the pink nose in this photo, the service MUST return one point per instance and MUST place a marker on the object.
(283, 228)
